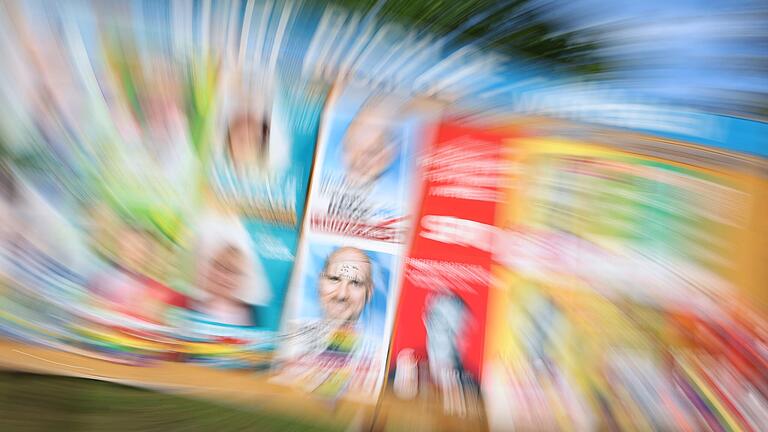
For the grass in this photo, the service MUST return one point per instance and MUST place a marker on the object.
(51, 403)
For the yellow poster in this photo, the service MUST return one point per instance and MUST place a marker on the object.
(600, 251)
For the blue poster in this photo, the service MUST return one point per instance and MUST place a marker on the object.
(365, 162)
(336, 332)
(262, 158)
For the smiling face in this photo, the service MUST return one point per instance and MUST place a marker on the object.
(345, 284)
(225, 273)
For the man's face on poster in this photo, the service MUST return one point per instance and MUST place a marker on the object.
(369, 149)
(345, 285)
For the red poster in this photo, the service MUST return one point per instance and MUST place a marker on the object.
(440, 322)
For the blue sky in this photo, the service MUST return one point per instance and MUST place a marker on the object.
(687, 50)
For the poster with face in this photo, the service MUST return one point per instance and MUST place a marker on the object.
(437, 344)
(336, 331)
(603, 281)
(364, 171)
(262, 151)
(260, 166)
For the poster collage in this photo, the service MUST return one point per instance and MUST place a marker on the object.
(167, 201)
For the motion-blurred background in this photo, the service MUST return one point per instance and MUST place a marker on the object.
(384, 215)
